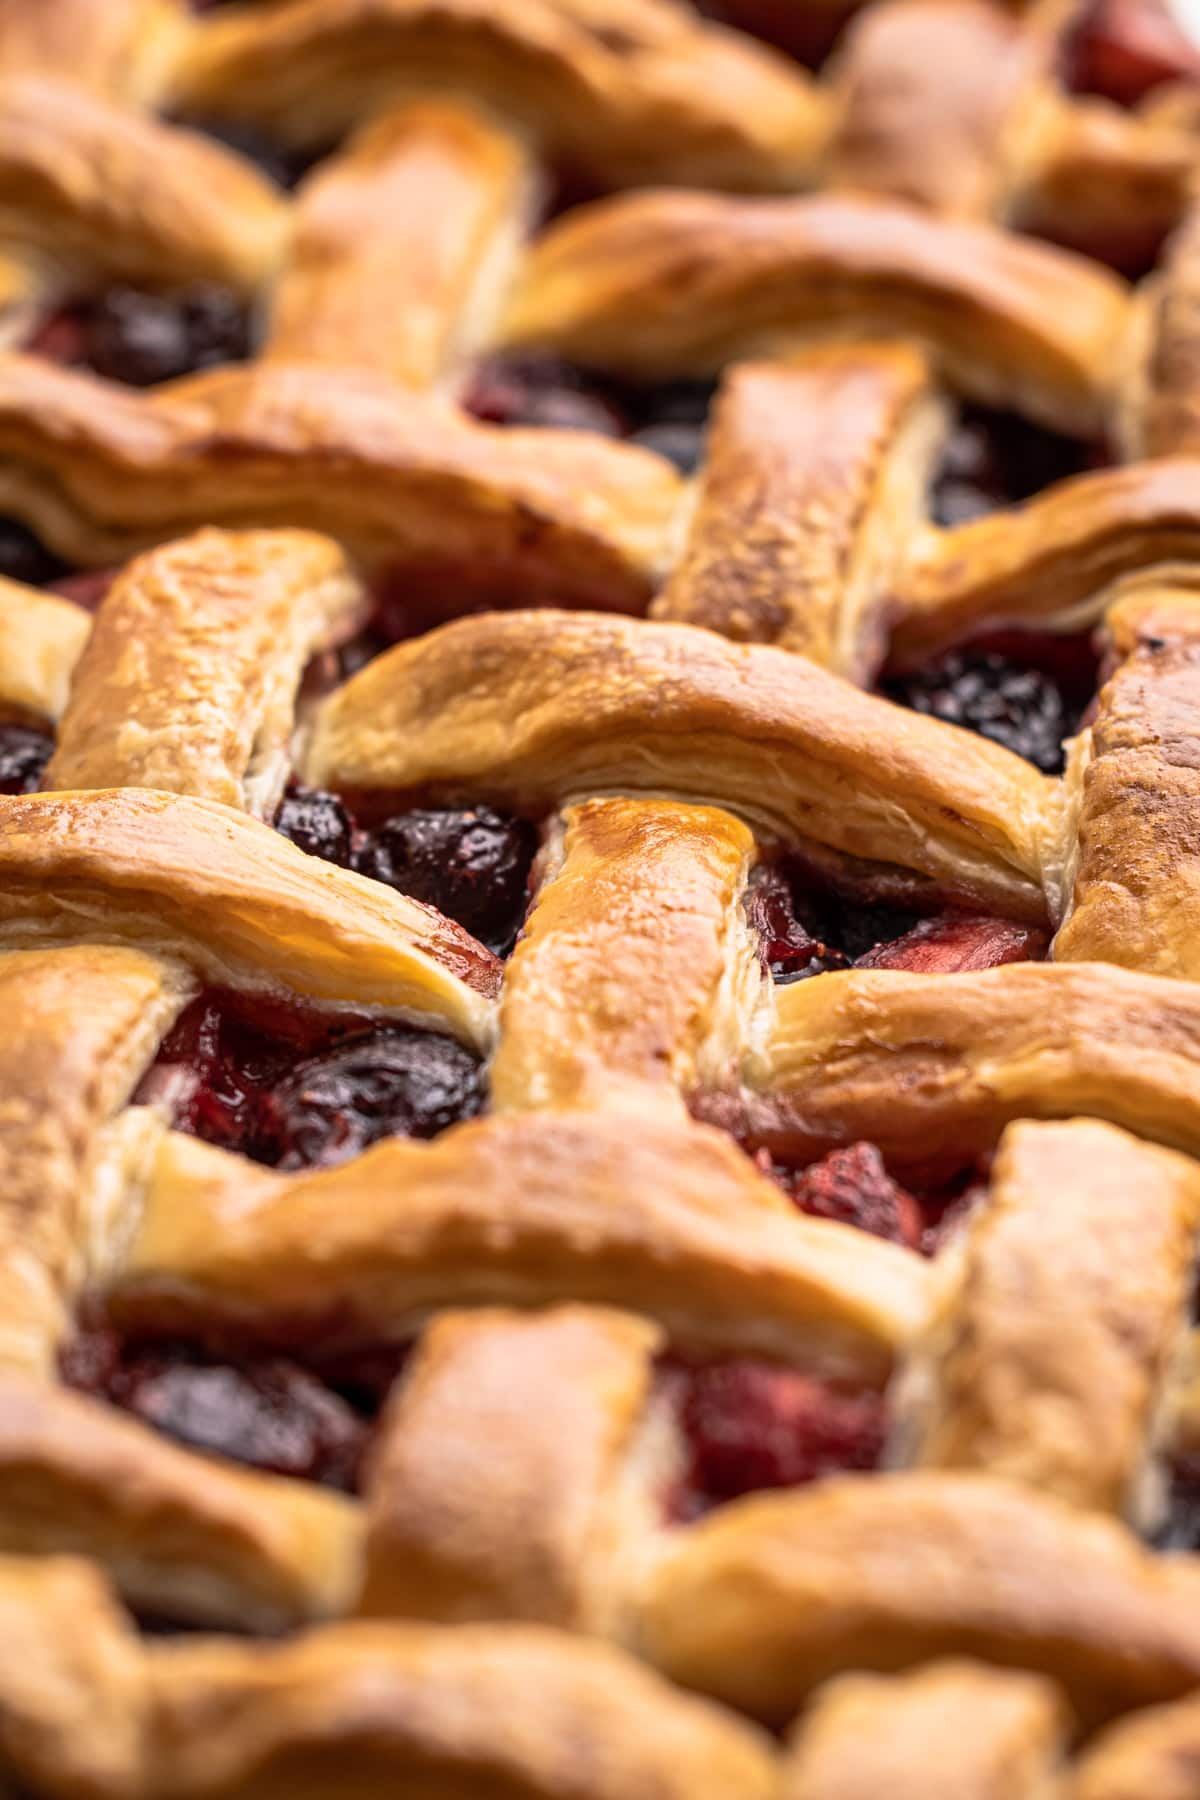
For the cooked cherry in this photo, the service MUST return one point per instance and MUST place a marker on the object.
(281, 163)
(853, 1186)
(142, 339)
(536, 388)
(1123, 49)
(995, 459)
(24, 754)
(753, 1425)
(295, 1090)
(387, 1083)
(788, 947)
(1023, 708)
(953, 943)
(318, 823)
(472, 865)
(272, 1413)
(23, 558)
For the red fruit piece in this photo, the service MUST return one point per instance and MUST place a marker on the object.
(753, 1425)
(86, 589)
(1125, 48)
(955, 942)
(853, 1187)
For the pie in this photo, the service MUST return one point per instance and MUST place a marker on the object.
(599, 900)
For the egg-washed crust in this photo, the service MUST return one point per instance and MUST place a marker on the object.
(404, 480)
(241, 905)
(534, 708)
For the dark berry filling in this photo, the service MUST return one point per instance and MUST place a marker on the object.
(141, 339)
(471, 864)
(283, 164)
(23, 558)
(1123, 49)
(750, 1425)
(536, 388)
(996, 459)
(24, 754)
(1026, 692)
(853, 1186)
(296, 1090)
(269, 1412)
(807, 33)
(805, 931)
(1180, 1528)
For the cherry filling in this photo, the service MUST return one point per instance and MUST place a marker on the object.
(808, 33)
(804, 931)
(1123, 49)
(996, 459)
(297, 1090)
(750, 1425)
(853, 1186)
(269, 1412)
(140, 338)
(537, 388)
(1028, 692)
(472, 864)
(24, 753)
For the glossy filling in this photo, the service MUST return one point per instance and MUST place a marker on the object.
(1028, 691)
(1124, 49)
(266, 1412)
(750, 1425)
(24, 753)
(140, 339)
(747, 1425)
(805, 930)
(996, 459)
(537, 388)
(852, 1185)
(472, 864)
(296, 1089)
(807, 33)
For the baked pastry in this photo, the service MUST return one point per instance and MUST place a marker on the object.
(600, 1110)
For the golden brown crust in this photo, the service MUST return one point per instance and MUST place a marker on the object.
(189, 678)
(403, 480)
(630, 958)
(1049, 561)
(765, 1599)
(1163, 413)
(1134, 895)
(496, 1487)
(971, 1052)
(810, 490)
(401, 244)
(80, 1026)
(41, 638)
(670, 1220)
(438, 1714)
(1060, 1318)
(183, 1535)
(102, 191)
(235, 900)
(666, 283)
(75, 1712)
(121, 49)
(370, 1708)
(1102, 179)
(1154, 1752)
(628, 91)
(949, 1731)
(936, 103)
(531, 708)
